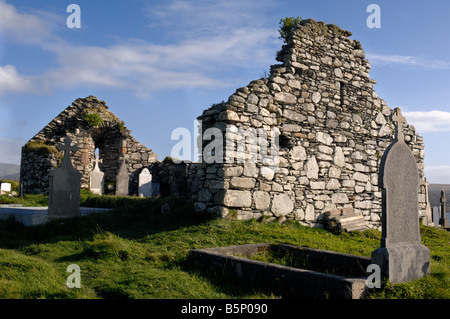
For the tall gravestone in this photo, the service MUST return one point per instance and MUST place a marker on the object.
(145, 183)
(64, 196)
(122, 179)
(97, 178)
(401, 257)
(436, 215)
(429, 213)
(443, 221)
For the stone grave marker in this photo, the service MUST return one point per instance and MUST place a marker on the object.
(64, 195)
(145, 183)
(122, 179)
(5, 188)
(155, 189)
(443, 221)
(436, 215)
(97, 178)
(428, 216)
(401, 257)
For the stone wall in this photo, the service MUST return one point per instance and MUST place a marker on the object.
(332, 128)
(175, 179)
(111, 137)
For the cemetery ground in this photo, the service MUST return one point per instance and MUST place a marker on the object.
(141, 249)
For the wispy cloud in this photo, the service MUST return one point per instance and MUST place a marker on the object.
(408, 61)
(431, 121)
(12, 81)
(213, 39)
(24, 27)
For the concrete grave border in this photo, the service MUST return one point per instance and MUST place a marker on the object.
(294, 281)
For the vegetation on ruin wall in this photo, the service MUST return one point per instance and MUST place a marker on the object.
(93, 119)
(287, 25)
(41, 147)
(137, 252)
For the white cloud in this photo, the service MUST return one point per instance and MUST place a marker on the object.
(22, 27)
(431, 121)
(438, 174)
(12, 81)
(204, 18)
(212, 39)
(408, 61)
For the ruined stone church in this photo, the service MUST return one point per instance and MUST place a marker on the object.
(319, 101)
(92, 127)
(333, 131)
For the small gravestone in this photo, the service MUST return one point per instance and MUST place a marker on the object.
(155, 190)
(443, 221)
(122, 179)
(97, 178)
(428, 212)
(64, 195)
(5, 188)
(401, 257)
(145, 183)
(436, 215)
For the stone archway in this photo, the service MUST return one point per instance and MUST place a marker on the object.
(108, 139)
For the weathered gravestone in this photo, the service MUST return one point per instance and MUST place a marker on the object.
(429, 213)
(436, 215)
(64, 196)
(145, 183)
(155, 189)
(401, 257)
(443, 221)
(97, 178)
(122, 179)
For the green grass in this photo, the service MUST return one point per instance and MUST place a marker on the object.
(137, 252)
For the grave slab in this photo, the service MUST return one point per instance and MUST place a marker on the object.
(33, 216)
(292, 281)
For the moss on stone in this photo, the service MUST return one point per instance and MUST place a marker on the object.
(317, 27)
(41, 147)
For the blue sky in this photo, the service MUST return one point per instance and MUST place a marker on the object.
(159, 64)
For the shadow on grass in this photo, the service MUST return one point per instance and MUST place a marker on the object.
(131, 218)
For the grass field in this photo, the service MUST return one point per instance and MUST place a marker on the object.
(137, 252)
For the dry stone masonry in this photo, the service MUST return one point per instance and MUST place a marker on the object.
(332, 128)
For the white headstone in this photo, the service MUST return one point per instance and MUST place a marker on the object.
(5, 187)
(145, 183)
(97, 178)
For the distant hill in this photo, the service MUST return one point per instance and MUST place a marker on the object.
(9, 171)
(435, 194)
